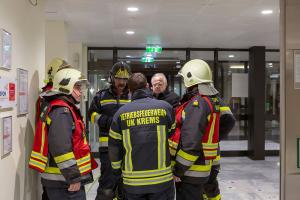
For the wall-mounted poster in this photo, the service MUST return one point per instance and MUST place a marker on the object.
(6, 46)
(7, 93)
(22, 77)
(6, 136)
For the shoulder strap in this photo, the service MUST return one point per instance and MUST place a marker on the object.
(61, 103)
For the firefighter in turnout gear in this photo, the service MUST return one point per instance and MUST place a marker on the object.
(195, 144)
(102, 109)
(55, 65)
(138, 144)
(61, 151)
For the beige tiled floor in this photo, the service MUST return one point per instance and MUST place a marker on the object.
(240, 179)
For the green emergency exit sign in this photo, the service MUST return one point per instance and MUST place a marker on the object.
(153, 49)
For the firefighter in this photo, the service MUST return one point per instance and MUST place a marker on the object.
(138, 144)
(195, 144)
(61, 151)
(160, 90)
(104, 105)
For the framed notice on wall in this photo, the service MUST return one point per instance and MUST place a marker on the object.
(22, 94)
(7, 93)
(5, 49)
(6, 136)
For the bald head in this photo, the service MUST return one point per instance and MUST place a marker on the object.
(159, 83)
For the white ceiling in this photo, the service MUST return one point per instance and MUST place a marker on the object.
(171, 23)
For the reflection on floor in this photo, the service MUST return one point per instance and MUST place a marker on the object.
(240, 179)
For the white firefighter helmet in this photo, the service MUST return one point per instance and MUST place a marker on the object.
(54, 66)
(65, 80)
(195, 72)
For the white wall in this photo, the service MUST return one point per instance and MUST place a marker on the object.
(56, 40)
(27, 25)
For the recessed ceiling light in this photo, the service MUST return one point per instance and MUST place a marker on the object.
(178, 62)
(128, 56)
(267, 12)
(102, 79)
(231, 56)
(237, 67)
(130, 32)
(132, 9)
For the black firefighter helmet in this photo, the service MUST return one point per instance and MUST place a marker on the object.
(120, 70)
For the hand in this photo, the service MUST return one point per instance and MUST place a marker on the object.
(74, 187)
(176, 179)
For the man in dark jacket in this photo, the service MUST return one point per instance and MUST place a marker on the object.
(102, 109)
(160, 90)
(138, 144)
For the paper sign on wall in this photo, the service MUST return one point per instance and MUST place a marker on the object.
(7, 93)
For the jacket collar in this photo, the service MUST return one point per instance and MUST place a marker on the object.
(141, 93)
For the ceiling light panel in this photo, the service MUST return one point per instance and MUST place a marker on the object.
(133, 9)
(267, 12)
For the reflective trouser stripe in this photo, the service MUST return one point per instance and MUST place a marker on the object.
(161, 146)
(103, 141)
(148, 181)
(128, 148)
(147, 173)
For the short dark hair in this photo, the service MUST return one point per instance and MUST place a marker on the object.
(137, 81)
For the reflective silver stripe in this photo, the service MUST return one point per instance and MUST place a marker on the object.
(148, 181)
(103, 144)
(161, 145)
(183, 161)
(147, 173)
(127, 145)
(67, 164)
(53, 177)
(197, 174)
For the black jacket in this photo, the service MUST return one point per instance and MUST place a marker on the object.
(106, 103)
(171, 97)
(138, 144)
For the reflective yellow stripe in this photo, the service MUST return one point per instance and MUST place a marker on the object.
(210, 146)
(43, 137)
(218, 197)
(148, 181)
(108, 101)
(83, 159)
(85, 168)
(124, 101)
(39, 156)
(128, 148)
(212, 129)
(52, 170)
(48, 120)
(187, 156)
(172, 151)
(116, 165)
(147, 173)
(103, 139)
(172, 127)
(172, 144)
(200, 168)
(37, 164)
(161, 147)
(217, 158)
(115, 135)
(93, 117)
(224, 108)
(64, 157)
